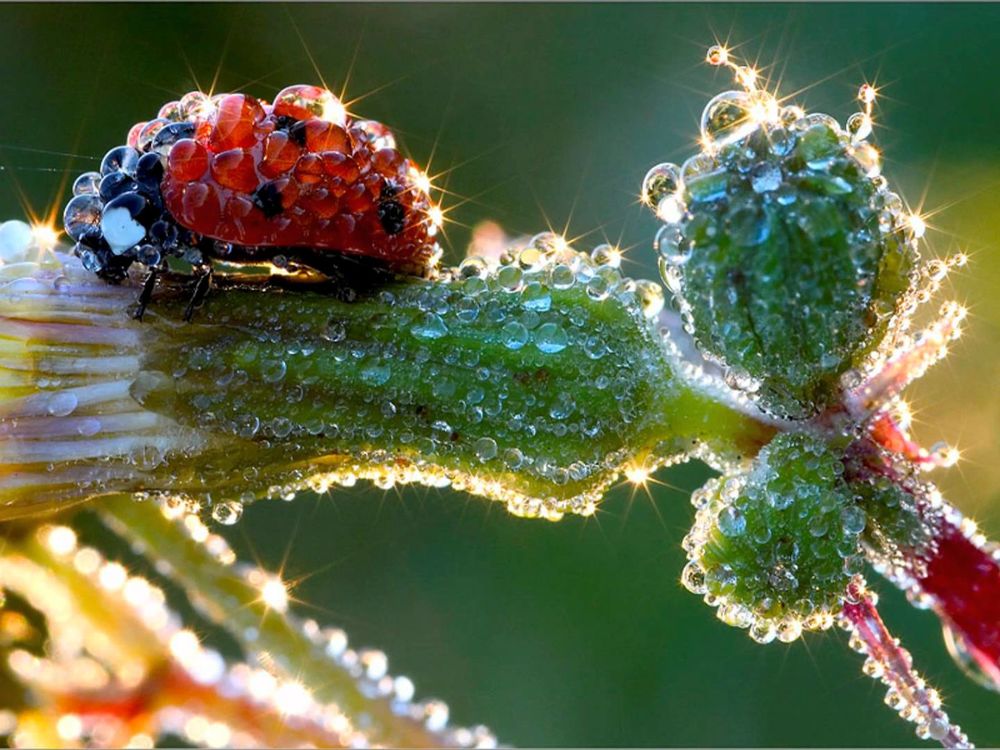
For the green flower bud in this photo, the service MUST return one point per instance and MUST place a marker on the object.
(899, 525)
(790, 258)
(775, 547)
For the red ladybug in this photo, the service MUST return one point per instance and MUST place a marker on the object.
(297, 182)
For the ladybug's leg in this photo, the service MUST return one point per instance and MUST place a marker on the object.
(201, 286)
(147, 292)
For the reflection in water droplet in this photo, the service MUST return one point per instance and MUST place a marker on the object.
(551, 338)
(726, 118)
(486, 449)
(659, 182)
(536, 297)
(227, 513)
(514, 335)
(959, 651)
(430, 327)
(335, 331)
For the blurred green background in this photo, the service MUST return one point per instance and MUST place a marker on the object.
(575, 633)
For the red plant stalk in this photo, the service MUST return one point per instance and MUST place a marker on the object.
(171, 688)
(956, 572)
(963, 581)
(908, 693)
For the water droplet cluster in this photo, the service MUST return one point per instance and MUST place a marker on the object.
(774, 547)
(788, 255)
(242, 180)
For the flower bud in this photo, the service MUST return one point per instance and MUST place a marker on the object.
(777, 544)
(789, 256)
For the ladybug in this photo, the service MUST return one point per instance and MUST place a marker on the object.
(297, 183)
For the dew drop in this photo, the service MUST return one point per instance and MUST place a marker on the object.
(486, 449)
(273, 370)
(606, 255)
(514, 335)
(868, 158)
(510, 278)
(725, 118)
(536, 297)
(62, 404)
(762, 631)
(148, 255)
(789, 630)
(467, 309)
(563, 277)
(732, 522)
(551, 338)
(693, 578)
(147, 384)
(781, 141)
(227, 513)
(513, 458)
(281, 427)
(717, 55)
(853, 519)
(89, 426)
(959, 651)
(765, 177)
(670, 209)
(659, 182)
(376, 373)
(334, 331)
(597, 288)
(430, 326)
(859, 125)
(650, 296)
(87, 183)
(472, 267)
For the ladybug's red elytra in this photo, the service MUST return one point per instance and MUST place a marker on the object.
(229, 177)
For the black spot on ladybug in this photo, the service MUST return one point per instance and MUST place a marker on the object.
(297, 132)
(268, 199)
(391, 215)
(284, 122)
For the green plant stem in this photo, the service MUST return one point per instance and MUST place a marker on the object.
(539, 393)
